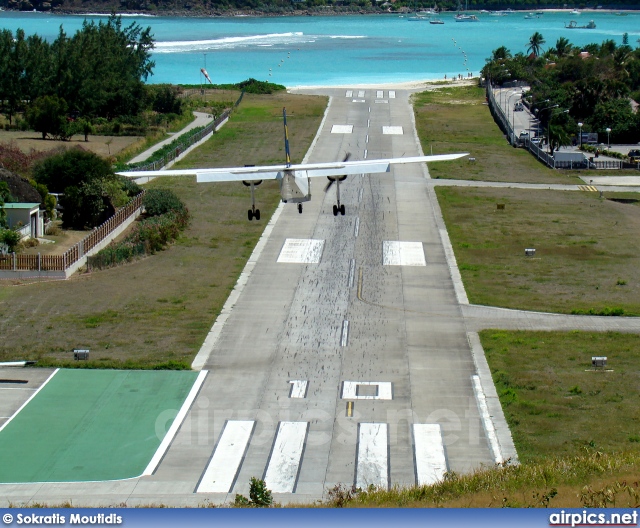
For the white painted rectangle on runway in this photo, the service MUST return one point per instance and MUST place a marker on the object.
(227, 457)
(381, 101)
(342, 129)
(361, 93)
(384, 390)
(298, 388)
(392, 130)
(282, 472)
(301, 251)
(358, 101)
(397, 253)
(379, 94)
(392, 94)
(373, 460)
(431, 463)
(349, 93)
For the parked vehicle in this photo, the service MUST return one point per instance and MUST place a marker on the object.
(634, 156)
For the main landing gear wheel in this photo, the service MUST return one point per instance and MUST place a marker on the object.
(300, 208)
(342, 210)
(339, 209)
(253, 214)
(335, 210)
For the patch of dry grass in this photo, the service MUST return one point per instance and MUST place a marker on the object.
(587, 251)
(160, 309)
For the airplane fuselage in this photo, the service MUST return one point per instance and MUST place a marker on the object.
(295, 186)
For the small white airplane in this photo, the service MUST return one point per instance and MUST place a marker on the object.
(295, 184)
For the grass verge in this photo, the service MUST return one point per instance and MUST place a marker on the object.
(555, 404)
(455, 119)
(156, 312)
(587, 254)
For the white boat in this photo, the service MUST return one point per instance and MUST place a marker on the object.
(436, 21)
(574, 12)
(529, 16)
(463, 17)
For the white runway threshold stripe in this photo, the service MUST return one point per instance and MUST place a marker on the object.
(373, 456)
(175, 425)
(281, 475)
(379, 94)
(301, 251)
(396, 253)
(342, 129)
(224, 465)
(431, 463)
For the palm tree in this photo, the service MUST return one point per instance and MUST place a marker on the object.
(535, 43)
(563, 47)
(501, 53)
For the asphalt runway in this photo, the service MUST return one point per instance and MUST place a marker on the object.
(345, 359)
(346, 333)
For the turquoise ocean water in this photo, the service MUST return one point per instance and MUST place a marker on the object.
(303, 51)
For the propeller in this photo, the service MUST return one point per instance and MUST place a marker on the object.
(334, 178)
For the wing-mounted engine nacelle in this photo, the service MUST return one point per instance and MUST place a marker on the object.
(253, 212)
(338, 178)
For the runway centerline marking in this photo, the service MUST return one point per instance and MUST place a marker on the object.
(431, 463)
(344, 338)
(352, 272)
(281, 475)
(356, 229)
(223, 468)
(372, 462)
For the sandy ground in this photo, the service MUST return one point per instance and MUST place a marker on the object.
(426, 84)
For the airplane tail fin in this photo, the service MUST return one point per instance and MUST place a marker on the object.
(286, 138)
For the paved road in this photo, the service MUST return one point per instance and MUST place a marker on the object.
(352, 368)
(201, 119)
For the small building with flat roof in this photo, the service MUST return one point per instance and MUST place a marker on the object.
(25, 218)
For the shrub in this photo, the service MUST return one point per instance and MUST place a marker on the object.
(160, 201)
(10, 238)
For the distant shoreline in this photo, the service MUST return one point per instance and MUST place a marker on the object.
(296, 13)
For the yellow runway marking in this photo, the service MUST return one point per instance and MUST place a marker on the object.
(588, 188)
(349, 409)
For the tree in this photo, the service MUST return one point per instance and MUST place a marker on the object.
(563, 47)
(91, 191)
(48, 115)
(501, 53)
(535, 44)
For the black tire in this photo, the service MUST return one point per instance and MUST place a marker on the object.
(342, 210)
(257, 214)
(300, 208)
(250, 215)
(335, 210)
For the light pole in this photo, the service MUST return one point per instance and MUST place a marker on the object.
(580, 132)
(608, 141)
(540, 110)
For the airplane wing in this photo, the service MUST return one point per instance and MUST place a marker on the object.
(272, 172)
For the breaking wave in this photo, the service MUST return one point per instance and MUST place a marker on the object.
(269, 40)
